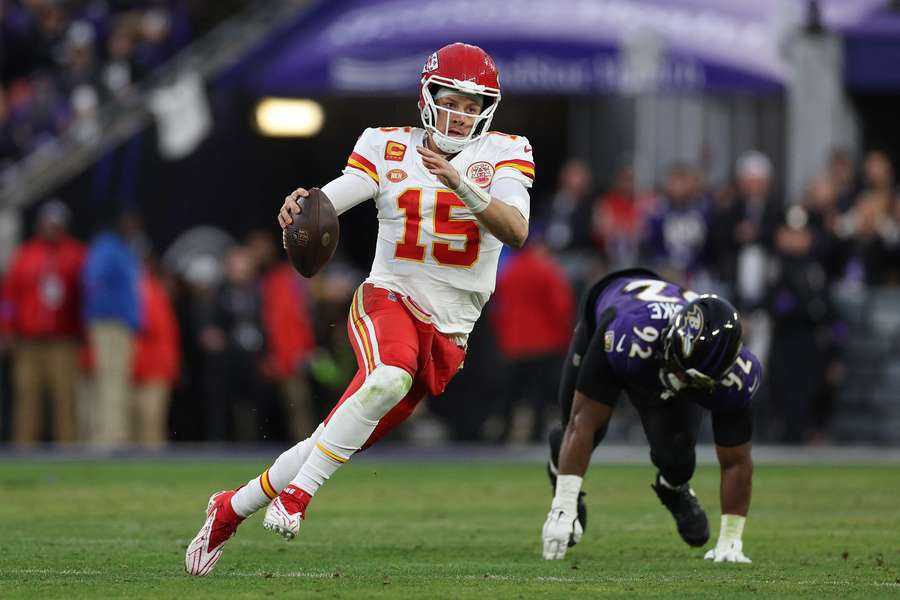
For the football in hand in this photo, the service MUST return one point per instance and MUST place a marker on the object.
(312, 238)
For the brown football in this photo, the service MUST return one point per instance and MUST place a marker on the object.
(310, 241)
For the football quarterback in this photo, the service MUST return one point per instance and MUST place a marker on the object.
(449, 194)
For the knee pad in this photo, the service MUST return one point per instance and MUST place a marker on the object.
(383, 388)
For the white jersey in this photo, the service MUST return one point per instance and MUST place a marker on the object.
(430, 246)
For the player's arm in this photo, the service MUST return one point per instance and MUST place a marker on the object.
(588, 416)
(497, 215)
(345, 192)
(736, 484)
(504, 221)
(358, 183)
(732, 432)
(562, 529)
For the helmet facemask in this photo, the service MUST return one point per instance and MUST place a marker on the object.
(679, 340)
(675, 376)
(481, 121)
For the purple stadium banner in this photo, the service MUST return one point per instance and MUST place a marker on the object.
(563, 46)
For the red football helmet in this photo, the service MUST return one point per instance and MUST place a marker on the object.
(468, 70)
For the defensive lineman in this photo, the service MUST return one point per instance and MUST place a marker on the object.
(448, 197)
(673, 352)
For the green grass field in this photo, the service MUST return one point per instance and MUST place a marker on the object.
(118, 530)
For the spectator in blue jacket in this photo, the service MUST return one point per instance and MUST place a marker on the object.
(112, 315)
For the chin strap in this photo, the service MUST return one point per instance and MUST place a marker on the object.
(448, 144)
(444, 144)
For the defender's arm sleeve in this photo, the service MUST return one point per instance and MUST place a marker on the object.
(733, 428)
(732, 409)
(597, 377)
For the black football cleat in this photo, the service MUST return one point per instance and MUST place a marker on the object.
(555, 443)
(693, 526)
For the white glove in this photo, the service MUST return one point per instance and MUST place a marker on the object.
(729, 547)
(727, 551)
(560, 529)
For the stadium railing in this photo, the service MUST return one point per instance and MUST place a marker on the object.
(42, 171)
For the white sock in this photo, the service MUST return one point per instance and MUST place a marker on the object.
(345, 433)
(352, 424)
(260, 490)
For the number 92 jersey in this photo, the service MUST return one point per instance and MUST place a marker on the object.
(631, 310)
(430, 246)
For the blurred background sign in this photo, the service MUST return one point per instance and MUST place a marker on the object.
(566, 46)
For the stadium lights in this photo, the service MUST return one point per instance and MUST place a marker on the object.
(288, 117)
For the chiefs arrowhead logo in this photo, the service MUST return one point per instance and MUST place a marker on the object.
(481, 173)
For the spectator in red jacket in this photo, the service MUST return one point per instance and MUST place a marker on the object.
(533, 319)
(290, 339)
(42, 313)
(157, 359)
(618, 219)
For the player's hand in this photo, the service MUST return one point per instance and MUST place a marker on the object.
(440, 167)
(560, 531)
(291, 207)
(728, 551)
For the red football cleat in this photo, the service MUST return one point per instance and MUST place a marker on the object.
(286, 511)
(221, 523)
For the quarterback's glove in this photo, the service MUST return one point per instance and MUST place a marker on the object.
(729, 548)
(561, 530)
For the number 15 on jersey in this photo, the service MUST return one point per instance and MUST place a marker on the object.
(411, 247)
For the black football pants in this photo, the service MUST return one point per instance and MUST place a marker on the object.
(670, 426)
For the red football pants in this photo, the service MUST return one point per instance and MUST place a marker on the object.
(388, 328)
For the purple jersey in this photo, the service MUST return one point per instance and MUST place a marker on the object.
(632, 342)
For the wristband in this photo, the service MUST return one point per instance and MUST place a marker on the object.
(475, 198)
(566, 498)
(732, 527)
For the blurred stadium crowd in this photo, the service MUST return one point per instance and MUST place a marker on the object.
(232, 344)
(59, 61)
